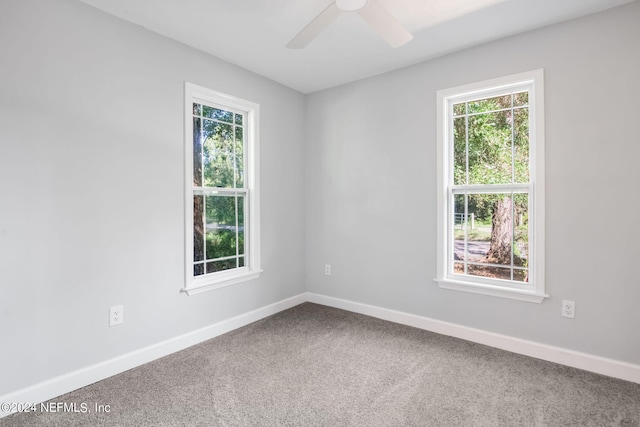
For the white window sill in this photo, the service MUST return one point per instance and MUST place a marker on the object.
(496, 291)
(220, 282)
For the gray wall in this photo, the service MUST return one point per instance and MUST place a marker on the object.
(91, 189)
(371, 186)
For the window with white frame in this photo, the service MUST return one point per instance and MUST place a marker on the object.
(222, 213)
(491, 187)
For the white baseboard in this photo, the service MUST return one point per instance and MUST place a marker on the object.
(74, 380)
(600, 365)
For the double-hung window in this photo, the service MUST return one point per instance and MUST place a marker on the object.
(491, 187)
(222, 244)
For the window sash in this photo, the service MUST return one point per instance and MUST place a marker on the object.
(451, 226)
(240, 230)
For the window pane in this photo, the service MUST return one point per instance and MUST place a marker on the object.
(218, 154)
(198, 228)
(495, 272)
(239, 157)
(197, 109)
(459, 109)
(459, 151)
(221, 226)
(520, 99)
(484, 240)
(458, 267)
(221, 242)
(489, 104)
(521, 144)
(215, 266)
(521, 236)
(239, 119)
(198, 269)
(197, 152)
(501, 241)
(477, 228)
(240, 202)
(490, 148)
(459, 227)
(215, 113)
(489, 271)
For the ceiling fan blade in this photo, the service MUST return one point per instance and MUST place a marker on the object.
(384, 24)
(315, 27)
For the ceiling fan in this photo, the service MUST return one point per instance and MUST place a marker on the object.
(370, 10)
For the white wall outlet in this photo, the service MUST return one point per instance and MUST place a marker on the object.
(568, 309)
(116, 315)
(327, 269)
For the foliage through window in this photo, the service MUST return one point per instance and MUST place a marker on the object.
(491, 183)
(222, 187)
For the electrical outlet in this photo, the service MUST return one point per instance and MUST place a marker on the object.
(116, 315)
(327, 269)
(568, 309)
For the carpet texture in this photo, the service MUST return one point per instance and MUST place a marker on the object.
(318, 366)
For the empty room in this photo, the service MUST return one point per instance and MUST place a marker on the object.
(319, 213)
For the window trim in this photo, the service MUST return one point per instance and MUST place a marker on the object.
(536, 292)
(252, 269)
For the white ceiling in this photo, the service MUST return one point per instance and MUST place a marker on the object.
(253, 33)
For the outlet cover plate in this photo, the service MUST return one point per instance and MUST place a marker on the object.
(568, 309)
(116, 315)
(327, 269)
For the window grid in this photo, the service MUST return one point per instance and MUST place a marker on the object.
(201, 266)
(478, 188)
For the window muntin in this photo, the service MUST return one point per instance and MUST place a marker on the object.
(491, 178)
(222, 230)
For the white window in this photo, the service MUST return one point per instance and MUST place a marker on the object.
(491, 187)
(222, 206)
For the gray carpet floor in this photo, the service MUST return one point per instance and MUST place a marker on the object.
(318, 366)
